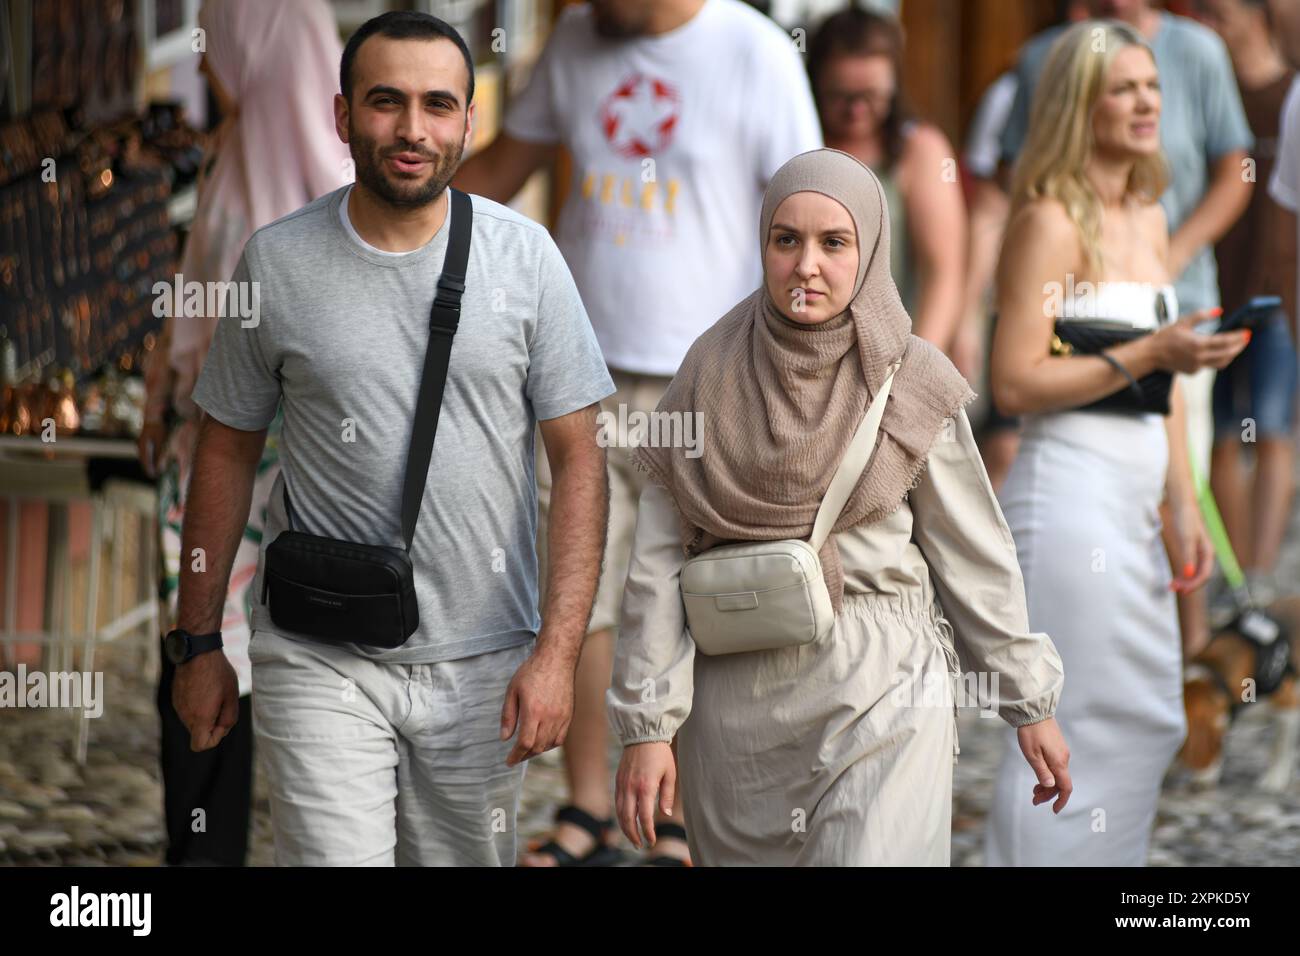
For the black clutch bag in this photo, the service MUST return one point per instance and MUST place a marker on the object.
(346, 592)
(1087, 337)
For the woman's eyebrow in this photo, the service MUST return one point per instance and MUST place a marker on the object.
(838, 231)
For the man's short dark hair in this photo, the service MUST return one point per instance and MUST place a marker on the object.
(402, 25)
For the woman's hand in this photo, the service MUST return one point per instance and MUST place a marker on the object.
(1045, 749)
(1178, 347)
(1195, 556)
(646, 771)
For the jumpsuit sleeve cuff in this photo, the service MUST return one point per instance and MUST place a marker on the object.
(648, 738)
(1031, 712)
(638, 722)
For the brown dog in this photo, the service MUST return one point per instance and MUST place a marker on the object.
(1215, 685)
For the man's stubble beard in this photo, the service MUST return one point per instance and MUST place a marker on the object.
(614, 23)
(369, 158)
(618, 30)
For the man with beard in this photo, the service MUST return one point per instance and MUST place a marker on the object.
(412, 755)
(676, 113)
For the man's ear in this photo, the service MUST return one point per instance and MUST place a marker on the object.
(341, 116)
(469, 126)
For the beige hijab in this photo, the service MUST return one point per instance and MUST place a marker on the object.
(781, 401)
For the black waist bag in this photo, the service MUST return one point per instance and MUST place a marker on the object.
(338, 591)
(346, 592)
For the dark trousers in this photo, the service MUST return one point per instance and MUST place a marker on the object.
(218, 781)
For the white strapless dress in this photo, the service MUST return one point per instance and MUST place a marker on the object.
(1082, 502)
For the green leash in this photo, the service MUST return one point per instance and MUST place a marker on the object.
(1232, 572)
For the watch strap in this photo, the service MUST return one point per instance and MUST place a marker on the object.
(202, 643)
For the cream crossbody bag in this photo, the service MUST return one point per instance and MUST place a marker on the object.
(768, 594)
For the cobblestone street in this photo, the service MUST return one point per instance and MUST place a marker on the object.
(109, 812)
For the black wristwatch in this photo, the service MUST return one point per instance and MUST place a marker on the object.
(181, 646)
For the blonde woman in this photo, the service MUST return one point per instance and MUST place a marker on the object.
(839, 751)
(1087, 240)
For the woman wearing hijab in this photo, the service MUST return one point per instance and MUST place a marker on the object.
(273, 69)
(1084, 495)
(838, 751)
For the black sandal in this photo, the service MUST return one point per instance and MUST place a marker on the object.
(602, 854)
(671, 831)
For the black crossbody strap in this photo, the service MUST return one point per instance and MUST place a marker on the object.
(444, 319)
(442, 329)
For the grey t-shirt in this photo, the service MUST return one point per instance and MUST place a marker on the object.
(341, 337)
(1201, 119)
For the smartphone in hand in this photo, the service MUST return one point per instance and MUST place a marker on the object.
(1249, 316)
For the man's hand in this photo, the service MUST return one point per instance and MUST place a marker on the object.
(1045, 749)
(500, 170)
(539, 700)
(205, 694)
(539, 705)
(150, 447)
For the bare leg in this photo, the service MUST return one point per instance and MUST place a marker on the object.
(586, 746)
(1194, 621)
(1274, 486)
(999, 451)
(1228, 482)
(586, 759)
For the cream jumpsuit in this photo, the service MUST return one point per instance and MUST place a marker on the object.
(840, 752)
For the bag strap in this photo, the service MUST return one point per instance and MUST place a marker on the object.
(851, 466)
(443, 323)
(444, 319)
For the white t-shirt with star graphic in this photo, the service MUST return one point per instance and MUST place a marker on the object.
(674, 138)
